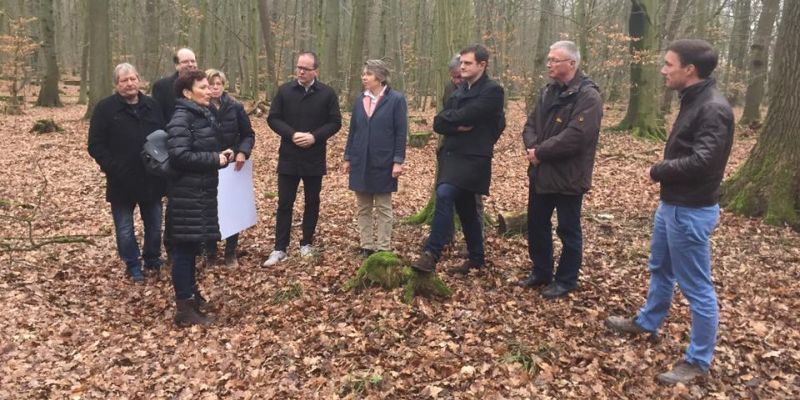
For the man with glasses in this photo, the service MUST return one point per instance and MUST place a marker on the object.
(305, 114)
(560, 139)
(164, 89)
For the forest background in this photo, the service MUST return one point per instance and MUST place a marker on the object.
(73, 327)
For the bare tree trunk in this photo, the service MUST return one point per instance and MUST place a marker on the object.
(737, 51)
(768, 184)
(266, 33)
(330, 50)
(543, 41)
(150, 69)
(759, 57)
(357, 49)
(642, 116)
(394, 44)
(48, 94)
(99, 55)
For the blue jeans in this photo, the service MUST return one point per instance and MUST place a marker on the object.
(540, 236)
(680, 252)
(127, 245)
(184, 278)
(448, 197)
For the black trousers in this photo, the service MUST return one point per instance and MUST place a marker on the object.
(287, 193)
(540, 235)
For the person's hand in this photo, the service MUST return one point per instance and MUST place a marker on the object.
(531, 155)
(649, 177)
(240, 159)
(464, 128)
(303, 139)
(397, 170)
(225, 157)
(296, 137)
(346, 167)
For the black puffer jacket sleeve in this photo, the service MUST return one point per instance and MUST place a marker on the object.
(184, 154)
(247, 137)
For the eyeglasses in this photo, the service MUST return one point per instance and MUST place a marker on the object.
(556, 61)
(305, 69)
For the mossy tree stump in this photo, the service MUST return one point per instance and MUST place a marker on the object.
(388, 271)
(45, 126)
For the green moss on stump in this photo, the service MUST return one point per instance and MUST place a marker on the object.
(386, 270)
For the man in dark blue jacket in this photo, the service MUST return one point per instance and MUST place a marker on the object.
(690, 174)
(120, 123)
(471, 122)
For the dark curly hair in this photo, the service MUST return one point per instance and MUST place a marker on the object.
(186, 80)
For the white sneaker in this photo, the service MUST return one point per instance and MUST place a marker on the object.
(274, 258)
(307, 250)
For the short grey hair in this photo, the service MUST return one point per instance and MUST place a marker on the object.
(379, 69)
(570, 48)
(121, 68)
(454, 63)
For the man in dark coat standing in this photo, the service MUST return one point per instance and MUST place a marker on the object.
(471, 122)
(164, 88)
(120, 123)
(560, 137)
(690, 174)
(305, 114)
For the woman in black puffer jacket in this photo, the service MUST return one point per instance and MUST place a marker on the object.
(237, 134)
(195, 150)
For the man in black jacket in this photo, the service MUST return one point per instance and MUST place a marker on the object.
(560, 138)
(305, 114)
(120, 123)
(690, 174)
(164, 89)
(471, 123)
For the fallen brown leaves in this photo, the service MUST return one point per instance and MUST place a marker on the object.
(74, 327)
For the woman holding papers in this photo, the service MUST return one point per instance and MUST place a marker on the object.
(196, 152)
(238, 135)
(374, 155)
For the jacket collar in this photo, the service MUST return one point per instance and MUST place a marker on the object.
(311, 89)
(572, 87)
(690, 93)
(472, 91)
(123, 105)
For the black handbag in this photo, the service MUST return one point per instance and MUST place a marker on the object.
(155, 157)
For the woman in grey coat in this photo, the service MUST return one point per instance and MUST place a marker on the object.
(374, 155)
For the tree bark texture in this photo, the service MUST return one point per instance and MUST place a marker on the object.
(759, 57)
(642, 115)
(99, 54)
(768, 184)
(48, 95)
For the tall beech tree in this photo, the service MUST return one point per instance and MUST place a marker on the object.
(768, 184)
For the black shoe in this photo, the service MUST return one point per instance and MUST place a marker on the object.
(365, 252)
(152, 271)
(186, 314)
(136, 274)
(464, 268)
(555, 290)
(425, 263)
(533, 281)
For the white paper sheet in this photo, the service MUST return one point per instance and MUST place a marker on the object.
(236, 200)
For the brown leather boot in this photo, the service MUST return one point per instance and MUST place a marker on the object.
(186, 314)
(425, 263)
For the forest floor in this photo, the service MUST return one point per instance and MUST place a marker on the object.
(73, 326)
